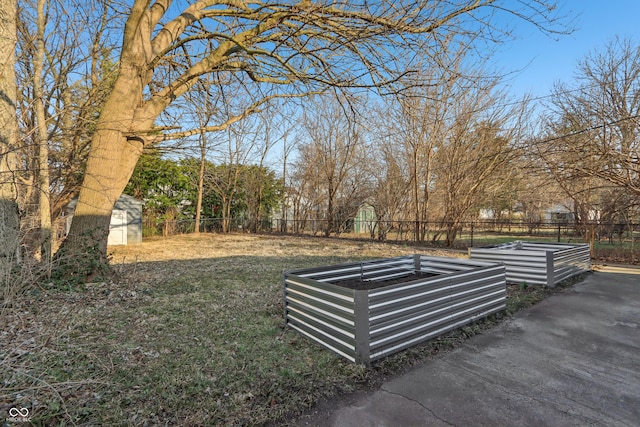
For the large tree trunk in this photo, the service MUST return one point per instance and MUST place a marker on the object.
(9, 220)
(115, 149)
(109, 167)
(41, 136)
(112, 158)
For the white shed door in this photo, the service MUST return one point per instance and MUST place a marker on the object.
(118, 228)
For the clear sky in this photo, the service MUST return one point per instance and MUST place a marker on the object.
(546, 60)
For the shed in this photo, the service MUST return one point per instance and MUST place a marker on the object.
(365, 219)
(126, 220)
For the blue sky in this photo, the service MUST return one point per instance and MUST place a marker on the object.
(546, 60)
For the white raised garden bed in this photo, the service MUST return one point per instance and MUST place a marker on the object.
(537, 263)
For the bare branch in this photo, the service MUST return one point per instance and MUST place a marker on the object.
(252, 109)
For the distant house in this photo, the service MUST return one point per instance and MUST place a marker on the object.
(491, 214)
(126, 220)
(559, 214)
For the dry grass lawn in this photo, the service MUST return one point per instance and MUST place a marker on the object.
(189, 331)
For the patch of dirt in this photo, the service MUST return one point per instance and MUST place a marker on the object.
(365, 284)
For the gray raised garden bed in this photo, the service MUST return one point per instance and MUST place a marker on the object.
(366, 311)
(537, 263)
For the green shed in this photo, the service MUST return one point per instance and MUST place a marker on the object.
(365, 219)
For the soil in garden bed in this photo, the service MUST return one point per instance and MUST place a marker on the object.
(368, 284)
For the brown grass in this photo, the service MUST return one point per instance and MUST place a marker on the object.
(189, 332)
(207, 246)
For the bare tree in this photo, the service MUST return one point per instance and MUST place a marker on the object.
(591, 144)
(241, 141)
(596, 129)
(273, 130)
(9, 222)
(418, 122)
(208, 103)
(435, 132)
(279, 49)
(559, 163)
(304, 196)
(203, 162)
(332, 156)
(288, 146)
(480, 141)
(63, 72)
(82, 67)
(205, 105)
(391, 188)
(44, 193)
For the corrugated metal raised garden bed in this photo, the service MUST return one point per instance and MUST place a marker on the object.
(537, 263)
(367, 310)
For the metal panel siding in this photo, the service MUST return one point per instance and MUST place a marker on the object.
(374, 270)
(322, 312)
(448, 265)
(527, 261)
(339, 291)
(317, 272)
(521, 265)
(406, 289)
(397, 322)
(429, 334)
(321, 297)
(445, 309)
(326, 341)
(571, 261)
(319, 317)
(550, 246)
(429, 289)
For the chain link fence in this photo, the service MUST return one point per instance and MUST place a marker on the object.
(619, 242)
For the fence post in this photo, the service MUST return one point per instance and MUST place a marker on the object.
(559, 233)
